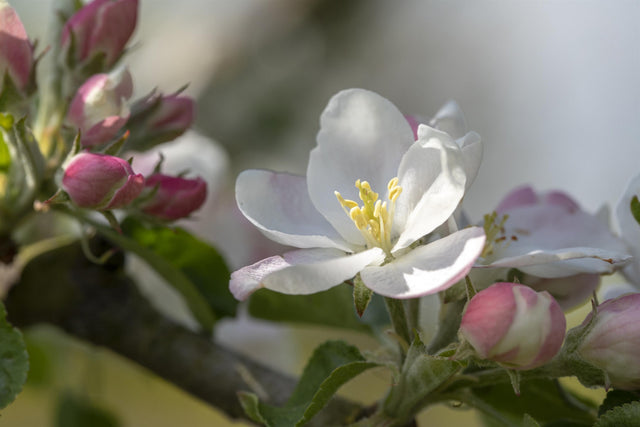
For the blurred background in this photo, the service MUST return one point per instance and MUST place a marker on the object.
(553, 88)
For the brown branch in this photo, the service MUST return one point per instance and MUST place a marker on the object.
(101, 305)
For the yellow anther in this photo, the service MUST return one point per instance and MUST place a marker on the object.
(393, 183)
(373, 218)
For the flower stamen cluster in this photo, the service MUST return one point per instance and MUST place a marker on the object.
(375, 218)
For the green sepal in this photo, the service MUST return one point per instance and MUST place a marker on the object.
(361, 295)
(331, 365)
(14, 360)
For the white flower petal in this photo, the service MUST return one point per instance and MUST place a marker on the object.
(564, 262)
(472, 150)
(362, 136)
(315, 271)
(450, 119)
(432, 178)
(249, 279)
(427, 269)
(279, 205)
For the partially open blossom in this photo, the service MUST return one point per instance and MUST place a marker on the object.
(548, 236)
(174, 197)
(514, 325)
(612, 342)
(101, 182)
(156, 119)
(365, 145)
(99, 108)
(101, 27)
(16, 51)
(450, 120)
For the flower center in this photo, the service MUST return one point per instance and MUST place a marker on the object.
(374, 218)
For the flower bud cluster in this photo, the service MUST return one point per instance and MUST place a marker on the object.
(514, 325)
(95, 38)
(93, 41)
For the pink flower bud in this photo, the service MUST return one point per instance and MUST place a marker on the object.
(514, 325)
(16, 52)
(101, 182)
(613, 342)
(175, 197)
(99, 109)
(156, 119)
(100, 27)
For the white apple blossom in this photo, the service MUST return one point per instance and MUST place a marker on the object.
(548, 235)
(366, 141)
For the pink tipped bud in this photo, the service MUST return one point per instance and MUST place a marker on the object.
(99, 108)
(101, 182)
(613, 341)
(175, 197)
(156, 119)
(101, 27)
(16, 52)
(514, 325)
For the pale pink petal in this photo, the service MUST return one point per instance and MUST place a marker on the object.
(249, 279)
(427, 269)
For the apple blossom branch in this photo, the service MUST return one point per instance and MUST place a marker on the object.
(101, 305)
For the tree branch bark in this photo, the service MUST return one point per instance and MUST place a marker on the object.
(101, 305)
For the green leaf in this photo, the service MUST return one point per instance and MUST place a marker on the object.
(635, 208)
(421, 374)
(361, 295)
(541, 399)
(627, 415)
(191, 266)
(14, 360)
(76, 411)
(331, 365)
(333, 307)
(529, 421)
(617, 398)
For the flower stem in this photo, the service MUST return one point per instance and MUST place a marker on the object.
(398, 317)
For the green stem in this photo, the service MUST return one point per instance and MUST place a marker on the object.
(398, 317)
(412, 308)
(448, 325)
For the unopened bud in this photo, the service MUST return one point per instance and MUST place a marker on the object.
(514, 325)
(16, 52)
(99, 108)
(102, 27)
(156, 119)
(174, 197)
(612, 342)
(101, 182)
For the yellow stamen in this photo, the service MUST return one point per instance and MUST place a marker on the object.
(374, 219)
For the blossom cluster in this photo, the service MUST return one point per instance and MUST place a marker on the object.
(382, 205)
(94, 105)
